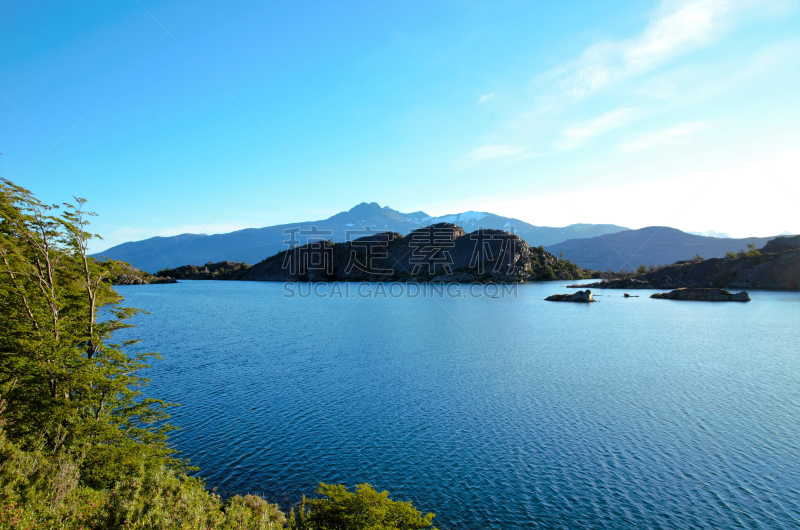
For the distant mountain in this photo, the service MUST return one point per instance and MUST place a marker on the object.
(711, 233)
(654, 245)
(252, 245)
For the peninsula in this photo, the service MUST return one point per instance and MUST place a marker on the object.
(776, 266)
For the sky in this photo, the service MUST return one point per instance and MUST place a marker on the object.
(206, 117)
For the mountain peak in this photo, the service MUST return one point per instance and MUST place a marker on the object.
(366, 205)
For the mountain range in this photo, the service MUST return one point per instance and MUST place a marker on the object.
(711, 233)
(653, 245)
(591, 246)
(253, 245)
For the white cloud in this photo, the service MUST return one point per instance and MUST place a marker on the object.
(484, 98)
(489, 152)
(768, 186)
(576, 135)
(678, 27)
(678, 134)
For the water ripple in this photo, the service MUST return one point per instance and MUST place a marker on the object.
(512, 413)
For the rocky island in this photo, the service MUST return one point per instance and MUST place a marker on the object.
(703, 295)
(442, 252)
(580, 297)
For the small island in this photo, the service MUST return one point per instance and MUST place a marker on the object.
(581, 297)
(703, 295)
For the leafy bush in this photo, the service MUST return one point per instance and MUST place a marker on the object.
(366, 508)
(547, 273)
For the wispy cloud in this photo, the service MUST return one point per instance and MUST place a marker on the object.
(577, 135)
(677, 27)
(672, 136)
(489, 152)
(484, 98)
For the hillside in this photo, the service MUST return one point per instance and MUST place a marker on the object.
(654, 245)
(775, 266)
(439, 253)
(252, 245)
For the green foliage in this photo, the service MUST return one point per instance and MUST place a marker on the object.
(546, 273)
(641, 270)
(365, 508)
(80, 445)
(751, 251)
(43, 490)
(61, 374)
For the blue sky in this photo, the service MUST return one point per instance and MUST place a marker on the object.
(175, 117)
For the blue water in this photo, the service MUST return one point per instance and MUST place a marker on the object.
(506, 412)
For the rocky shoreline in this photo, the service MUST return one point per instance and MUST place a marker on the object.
(125, 274)
(776, 266)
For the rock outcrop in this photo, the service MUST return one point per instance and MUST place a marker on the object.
(775, 267)
(581, 297)
(781, 244)
(438, 253)
(703, 295)
(125, 274)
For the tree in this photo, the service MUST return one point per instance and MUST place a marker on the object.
(730, 255)
(641, 270)
(80, 446)
(365, 508)
(61, 373)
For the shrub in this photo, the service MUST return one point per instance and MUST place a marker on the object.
(366, 508)
(547, 273)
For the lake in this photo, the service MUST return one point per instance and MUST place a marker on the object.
(507, 412)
